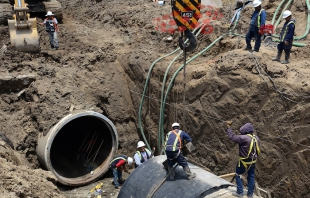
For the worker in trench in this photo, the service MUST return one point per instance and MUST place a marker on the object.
(257, 25)
(249, 149)
(51, 27)
(286, 37)
(142, 154)
(174, 141)
(118, 164)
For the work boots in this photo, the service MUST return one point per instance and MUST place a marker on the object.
(189, 173)
(171, 172)
(287, 57)
(278, 57)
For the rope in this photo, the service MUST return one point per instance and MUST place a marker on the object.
(189, 111)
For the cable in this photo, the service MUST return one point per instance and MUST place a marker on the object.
(212, 117)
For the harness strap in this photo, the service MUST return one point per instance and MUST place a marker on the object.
(178, 136)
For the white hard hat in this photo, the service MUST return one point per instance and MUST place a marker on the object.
(256, 3)
(140, 144)
(286, 13)
(129, 160)
(49, 13)
(175, 125)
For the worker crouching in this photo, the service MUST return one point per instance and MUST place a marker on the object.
(249, 149)
(117, 166)
(286, 37)
(173, 146)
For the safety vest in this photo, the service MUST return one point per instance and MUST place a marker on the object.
(116, 159)
(282, 36)
(258, 18)
(254, 145)
(50, 25)
(177, 138)
(141, 157)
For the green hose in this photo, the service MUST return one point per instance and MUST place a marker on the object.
(277, 40)
(161, 124)
(144, 91)
(145, 88)
(276, 12)
(280, 17)
(307, 28)
(162, 110)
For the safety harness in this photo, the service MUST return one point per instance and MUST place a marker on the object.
(174, 146)
(258, 18)
(256, 150)
(282, 37)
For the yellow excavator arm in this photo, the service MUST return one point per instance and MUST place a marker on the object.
(23, 29)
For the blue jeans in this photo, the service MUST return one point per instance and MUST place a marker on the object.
(249, 36)
(251, 172)
(53, 39)
(117, 176)
(180, 159)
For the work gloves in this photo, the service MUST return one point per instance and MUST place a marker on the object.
(229, 123)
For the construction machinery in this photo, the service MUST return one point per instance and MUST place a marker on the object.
(23, 29)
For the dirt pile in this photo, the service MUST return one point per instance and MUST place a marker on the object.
(106, 49)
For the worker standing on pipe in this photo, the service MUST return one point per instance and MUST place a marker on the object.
(286, 37)
(142, 154)
(52, 29)
(249, 149)
(257, 25)
(173, 145)
(117, 166)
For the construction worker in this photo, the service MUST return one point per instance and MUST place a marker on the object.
(174, 141)
(286, 37)
(52, 29)
(142, 154)
(249, 149)
(117, 166)
(257, 24)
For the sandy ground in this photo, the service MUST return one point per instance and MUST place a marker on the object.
(106, 49)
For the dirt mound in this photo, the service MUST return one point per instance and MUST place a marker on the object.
(106, 49)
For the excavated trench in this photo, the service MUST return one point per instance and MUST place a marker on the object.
(78, 148)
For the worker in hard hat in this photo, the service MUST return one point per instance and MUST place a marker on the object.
(257, 24)
(249, 149)
(142, 154)
(174, 142)
(117, 166)
(286, 37)
(51, 27)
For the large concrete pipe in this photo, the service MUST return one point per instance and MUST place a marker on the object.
(79, 148)
(149, 180)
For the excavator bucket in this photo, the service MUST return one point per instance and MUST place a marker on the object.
(25, 39)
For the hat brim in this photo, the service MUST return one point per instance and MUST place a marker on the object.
(49, 15)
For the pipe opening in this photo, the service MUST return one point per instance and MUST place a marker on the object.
(81, 146)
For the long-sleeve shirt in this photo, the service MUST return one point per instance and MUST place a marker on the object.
(244, 142)
(254, 18)
(290, 31)
(120, 164)
(171, 137)
(143, 154)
